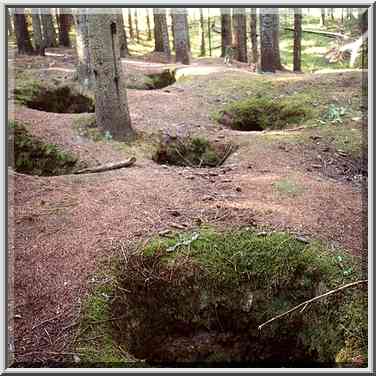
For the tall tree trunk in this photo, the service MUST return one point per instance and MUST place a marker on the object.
(297, 39)
(187, 27)
(322, 22)
(202, 33)
(10, 25)
(64, 25)
(85, 73)
(131, 33)
(172, 29)
(226, 32)
(209, 34)
(161, 39)
(22, 34)
(331, 11)
(267, 50)
(254, 35)
(148, 23)
(111, 105)
(240, 30)
(123, 42)
(277, 55)
(181, 36)
(49, 31)
(39, 42)
(136, 25)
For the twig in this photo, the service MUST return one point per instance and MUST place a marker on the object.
(305, 304)
(226, 155)
(48, 320)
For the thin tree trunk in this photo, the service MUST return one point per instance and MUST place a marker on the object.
(297, 39)
(331, 10)
(131, 33)
(161, 39)
(322, 23)
(63, 22)
(111, 105)
(202, 33)
(85, 73)
(277, 55)
(267, 50)
(49, 31)
(124, 52)
(172, 30)
(240, 31)
(39, 42)
(10, 25)
(136, 25)
(254, 35)
(209, 34)
(22, 34)
(148, 23)
(226, 32)
(181, 36)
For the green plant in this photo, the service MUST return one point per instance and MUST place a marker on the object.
(335, 114)
(288, 186)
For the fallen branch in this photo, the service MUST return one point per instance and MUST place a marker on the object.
(323, 33)
(108, 167)
(305, 304)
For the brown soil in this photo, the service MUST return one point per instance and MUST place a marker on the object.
(60, 227)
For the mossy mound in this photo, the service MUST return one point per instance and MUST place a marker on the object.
(192, 152)
(260, 113)
(29, 155)
(161, 80)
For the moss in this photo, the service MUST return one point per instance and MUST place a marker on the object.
(260, 113)
(32, 156)
(161, 80)
(288, 187)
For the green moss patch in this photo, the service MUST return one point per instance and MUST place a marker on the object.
(192, 152)
(29, 155)
(161, 80)
(260, 113)
(199, 298)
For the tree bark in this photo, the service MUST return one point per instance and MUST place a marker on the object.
(267, 50)
(148, 23)
(172, 29)
(64, 25)
(39, 42)
(202, 33)
(297, 39)
(131, 33)
(277, 55)
(161, 39)
(254, 36)
(136, 26)
(10, 25)
(226, 32)
(85, 73)
(181, 36)
(123, 42)
(111, 105)
(209, 34)
(48, 28)
(22, 34)
(240, 30)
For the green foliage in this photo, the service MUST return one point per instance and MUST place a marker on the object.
(259, 113)
(288, 187)
(335, 113)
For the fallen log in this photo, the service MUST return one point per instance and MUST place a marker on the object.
(323, 33)
(107, 167)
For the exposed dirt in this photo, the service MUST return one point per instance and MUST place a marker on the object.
(62, 226)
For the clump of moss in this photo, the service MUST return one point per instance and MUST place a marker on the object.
(161, 80)
(29, 155)
(191, 151)
(185, 297)
(260, 113)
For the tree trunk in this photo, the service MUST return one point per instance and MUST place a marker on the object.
(181, 36)
(297, 39)
(131, 33)
(111, 105)
(49, 31)
(202, 32)
(267, 50)
(187, 27)
(254, 35)
(172, 29)
(277, 55)
(331, 11)
(10, 25)
(322, 23)
(240, 30)
(22, 34)
(64, 25)
(209, 34)
(148, 23)
(136, 25)
(161, 39)
(85, 73)
(123, 42)
(39, 42)
(226, 33)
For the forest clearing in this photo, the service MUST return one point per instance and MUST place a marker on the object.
(179, 180)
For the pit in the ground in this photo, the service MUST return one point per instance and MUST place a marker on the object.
(192, 152)
(61, 100)
(161, 79)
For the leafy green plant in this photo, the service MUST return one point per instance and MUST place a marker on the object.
(335, 113)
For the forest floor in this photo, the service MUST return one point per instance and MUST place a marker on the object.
(305, 181)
